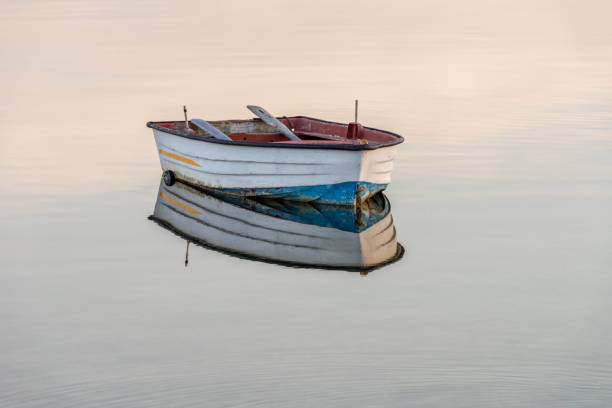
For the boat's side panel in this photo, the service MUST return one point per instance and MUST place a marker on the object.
(235, 166)
(327, 176)
(376, 165)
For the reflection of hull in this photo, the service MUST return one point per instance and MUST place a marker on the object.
(278, 234)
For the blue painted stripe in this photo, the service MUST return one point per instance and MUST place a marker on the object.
(333, 194)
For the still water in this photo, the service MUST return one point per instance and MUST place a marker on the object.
(501, 197)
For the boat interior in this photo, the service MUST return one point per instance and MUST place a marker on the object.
(308, 130)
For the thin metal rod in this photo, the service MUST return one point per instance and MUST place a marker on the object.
(187, 254)
(186, 121)
(356, 109)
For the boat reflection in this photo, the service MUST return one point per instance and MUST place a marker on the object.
(289, 233)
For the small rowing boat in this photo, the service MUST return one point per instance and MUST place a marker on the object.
(284, 232)
(293, 158)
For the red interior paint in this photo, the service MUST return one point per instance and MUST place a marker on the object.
(308, 125)
(258, 137)
(354, 131)
(344, 142)
(310, 131)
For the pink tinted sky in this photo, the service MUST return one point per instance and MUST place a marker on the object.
(80, 79)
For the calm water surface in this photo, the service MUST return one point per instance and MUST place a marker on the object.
(501, 196)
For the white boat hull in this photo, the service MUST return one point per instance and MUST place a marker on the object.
(324, 175)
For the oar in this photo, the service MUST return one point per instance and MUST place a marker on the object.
(272, 121)
(210, 129)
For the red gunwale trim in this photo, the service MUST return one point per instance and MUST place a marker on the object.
(322, 142)
(305, 144)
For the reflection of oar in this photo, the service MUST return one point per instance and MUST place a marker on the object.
(210, 129)
(272, 121)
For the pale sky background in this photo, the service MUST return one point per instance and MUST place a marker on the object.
(80, 79)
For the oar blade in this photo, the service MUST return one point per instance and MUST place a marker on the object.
(272, 121)
(210, 129)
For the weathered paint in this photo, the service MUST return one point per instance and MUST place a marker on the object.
(323, 175)
(332, 194)
(324, 165)
(310, 131)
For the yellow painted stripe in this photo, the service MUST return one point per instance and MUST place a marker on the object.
(178, 203)
(179, 158)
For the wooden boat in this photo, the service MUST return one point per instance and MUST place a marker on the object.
(326, 162)
(278, 231)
